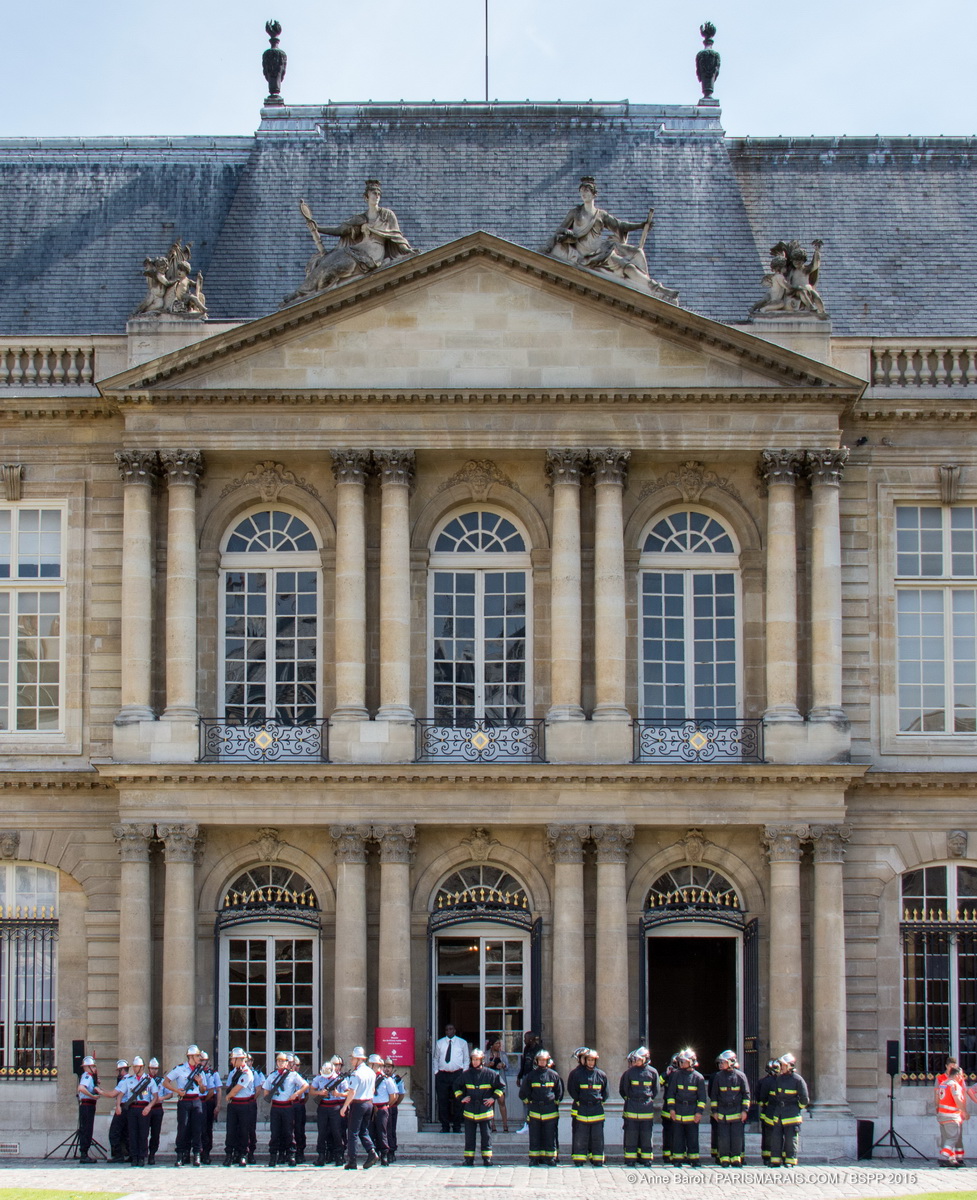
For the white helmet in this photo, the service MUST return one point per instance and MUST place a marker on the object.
(358, 1052)
(192, 1050)
(88, 1061)
(238, 1052)
(374, 1059)
(154, 1062)
(121, 1063)
(138, 1062)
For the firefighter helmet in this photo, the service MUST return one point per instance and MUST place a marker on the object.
(639, 1052)
(727, 1056)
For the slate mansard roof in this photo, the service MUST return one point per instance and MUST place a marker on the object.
(897, 215)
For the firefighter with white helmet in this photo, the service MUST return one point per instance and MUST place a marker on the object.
(787, 1100)
(686, 1100)
(729, 1098)
(638, 1089)
(587, 1088)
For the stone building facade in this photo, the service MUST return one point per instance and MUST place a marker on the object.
(484, 639)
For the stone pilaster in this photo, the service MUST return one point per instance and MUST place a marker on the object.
(350, 469)
(830, 1090)
(349, 973)
(566, 854)
(396, 844)
(783, 846)
(825, 468)
(610, 469)
(612, 843)
(564, 468)
(178, 993)
(396, 469)
(139, 469)
(780, 469)
(182, 469)
(135, 939)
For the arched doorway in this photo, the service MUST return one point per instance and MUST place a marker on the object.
(268, 989)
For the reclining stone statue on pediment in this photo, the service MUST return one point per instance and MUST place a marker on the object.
(791, 281)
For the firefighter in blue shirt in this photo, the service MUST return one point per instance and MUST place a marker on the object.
(281, 1088)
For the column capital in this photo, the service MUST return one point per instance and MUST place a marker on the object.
(783, 842)
(182, 466)
(133, 841)
(137, 466)
(395, 466)
(781, 466)
(350, 466)
(565, 466)
(825, 466)
(612, 842)
(350, 842)
(181, 841)
(610, 465)
(829, 842)
(396, 842)
(566, 842)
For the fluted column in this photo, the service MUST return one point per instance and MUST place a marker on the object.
(566, 853)
(564, 468)
(780, 469)
(611, 993)
(350, 467)
(830, 991)
(396, 471)
(139, 469)
(783, 846)
(179, 939)
(825, 468)
(182, 469)
(135, 939)
(396, 853)
(610, 469)
(349, 972)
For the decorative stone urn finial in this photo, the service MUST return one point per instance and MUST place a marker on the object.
(707, 63)
(273, 63)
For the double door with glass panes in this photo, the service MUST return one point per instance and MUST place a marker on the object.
(482, 986)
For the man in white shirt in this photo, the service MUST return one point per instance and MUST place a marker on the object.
(450, 1058)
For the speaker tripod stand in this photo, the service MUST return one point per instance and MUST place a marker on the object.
(71, 1145)
(890, 1139)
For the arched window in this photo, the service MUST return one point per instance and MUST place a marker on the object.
(28, 971)
(692, 889)
(270, 621)
(481, 889)
(690, 660)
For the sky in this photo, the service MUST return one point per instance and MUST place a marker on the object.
(800, 67)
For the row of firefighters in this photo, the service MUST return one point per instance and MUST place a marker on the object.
(358, 1106)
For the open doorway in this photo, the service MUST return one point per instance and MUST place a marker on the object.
(693, 994)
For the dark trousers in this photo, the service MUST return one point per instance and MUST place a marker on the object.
(380, 1129)
(330, 1126)
(588, 1141)
(207, 1136)
(392, 1127)
(253, 1128)
(685, 1141)
(542, 1135)
(449, 1107)
(475, 1126)
(667, 1132)
(281, 1122)
(138, 1131)
(638, 1134)
(730, 1140)
(86, 1126)
(238, 1126)
(783, 1144)
(299, 1118)
(155, 1126)
(358, 1118)
(189, 1127)
(119, 1135)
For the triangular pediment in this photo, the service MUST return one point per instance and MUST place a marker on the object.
(481, 313)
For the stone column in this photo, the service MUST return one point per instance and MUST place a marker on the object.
(138, 469)
(182, 469)
(396, 853)
(396, 471)
(830, 991)
(566, 853)
(780, 469)
(564, 468)
(611, 995)
(349, 971)
(135, 940)
(825, 469)
(610, 633)
(178, 993)
(783, 846)
(350, 467)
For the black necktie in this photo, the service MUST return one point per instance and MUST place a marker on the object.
(447, 1057)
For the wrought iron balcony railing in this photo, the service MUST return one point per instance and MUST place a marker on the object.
(480, 741)
(263, 741)
(698, 740)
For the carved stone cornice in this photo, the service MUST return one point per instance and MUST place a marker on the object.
(137, 466)
(695, 844)
(395, 466)
(825, 466)
(691, 480)
(565, 466)
(9, 843)
(349, 842)
(828, 842)
(566, 842)
(269, 479)
(181, 466)
(133, 841)
(780, 466)
(783, 842)
(268, 842)
(479, 843)
(479, 474)
(181, 841)
(350, 466)
(396, 842)
(13, 481)
(612, 842)
(610, 465)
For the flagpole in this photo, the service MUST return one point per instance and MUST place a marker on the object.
(486, 50)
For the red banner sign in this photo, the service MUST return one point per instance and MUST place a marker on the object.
(397, 1044)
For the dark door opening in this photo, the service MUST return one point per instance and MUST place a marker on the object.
(691, 997)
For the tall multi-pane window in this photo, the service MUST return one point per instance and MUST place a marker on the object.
(28, 970)
(31, 603)
(690, 662)
(936, 618)
(479, 605)
(939, 936)
(270, 653)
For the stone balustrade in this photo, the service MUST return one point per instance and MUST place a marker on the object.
(47, 362)
(924, 365)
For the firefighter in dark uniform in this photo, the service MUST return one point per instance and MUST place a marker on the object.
(763, 1089)
(787, 1100)
(685, 1099)
(587, 1088)
(729, 1098)
(665, 1118)
(477, 1090)
(638, 1089)
(542, 1090)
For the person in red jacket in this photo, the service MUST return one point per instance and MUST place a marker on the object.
(951, 1112)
